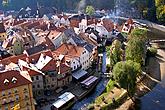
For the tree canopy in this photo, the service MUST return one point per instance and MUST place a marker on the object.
(115, 53)
(90, 10)
(125, 74)
(136, 48)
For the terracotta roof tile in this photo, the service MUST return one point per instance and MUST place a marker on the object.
(13, 78)
(69, 49)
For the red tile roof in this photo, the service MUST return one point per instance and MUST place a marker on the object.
(63, 69)
(13, 59)
(14, 78)
(69, 49)
(53, 34)
(18, 22)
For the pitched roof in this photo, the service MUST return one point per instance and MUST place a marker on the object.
(9, 42)
(69, 49)
(37, 49)
(13, 59)
(54, 34)
(63, 69)
(31, 68)
(13, 78)
(43, 61)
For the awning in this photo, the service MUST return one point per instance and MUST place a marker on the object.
(79, 74)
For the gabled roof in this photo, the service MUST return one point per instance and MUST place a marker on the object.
(32, 69)
(13, 78)
(69, 49)
(36, 49)
(63, 69)
(9, 42)
(43, 61)
(54, 34)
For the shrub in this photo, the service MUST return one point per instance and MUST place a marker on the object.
(152, 51)
(108, 68)
(110, 85)
(90, 107)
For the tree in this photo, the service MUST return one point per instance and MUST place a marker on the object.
(160, 10)
(115, 53)
(125, 74)
(90, 10)
(136, 51)
(140, 34)
(136, 48)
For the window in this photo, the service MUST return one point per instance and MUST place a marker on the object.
(32, 78)
(48, 86)
(37, 78)
(52, 85)
(33, 86)
(4, 101)
(9, 92)
(25, 89)
(17, 97)
(38, 86)
(26, 96)
(74, 67)
(3, 93)
(15, 91)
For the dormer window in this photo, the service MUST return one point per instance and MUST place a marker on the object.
(14, 80)
(6, 81)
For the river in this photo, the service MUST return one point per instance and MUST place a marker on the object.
(155, 100)
(81, 105)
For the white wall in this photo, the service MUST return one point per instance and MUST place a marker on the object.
(75, 63)
(85, 59)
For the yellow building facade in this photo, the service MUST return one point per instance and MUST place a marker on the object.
(16, 91)
(14, 46)
(19, 98)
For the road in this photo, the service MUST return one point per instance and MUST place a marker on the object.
(155, 100)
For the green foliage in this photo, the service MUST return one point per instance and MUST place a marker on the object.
(115, 53)
(152, 51)
(108, 48)
(110, 85)
(136, 48)
(108, 68)
(135, 51)
(160, 10)
(161, 14)
(159, 2)
(125, 74)
(90, 10)
(140, 34)
(90, 107)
